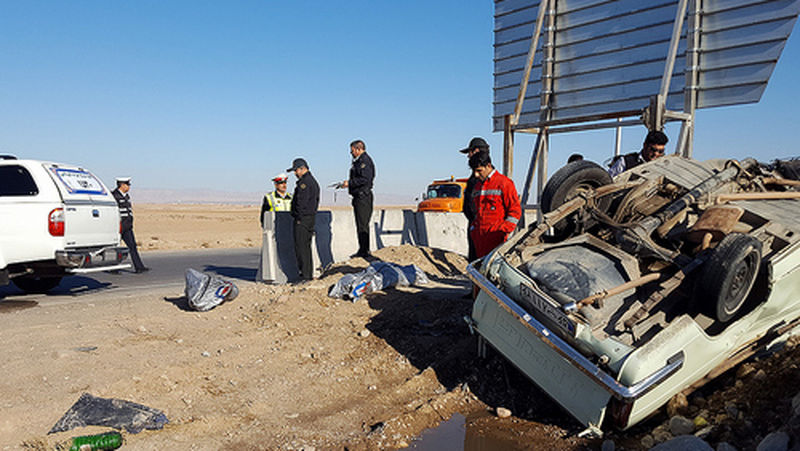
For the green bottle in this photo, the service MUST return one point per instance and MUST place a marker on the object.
(99, 442)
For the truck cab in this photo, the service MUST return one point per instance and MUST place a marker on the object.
(444, 196)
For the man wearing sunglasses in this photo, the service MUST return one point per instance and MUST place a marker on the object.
(278, 200)
(653, 147)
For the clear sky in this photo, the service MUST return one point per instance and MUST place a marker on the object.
(223, 95)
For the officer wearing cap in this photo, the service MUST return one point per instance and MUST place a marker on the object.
(359, 185)
(305, 204)
(277, 200)
(126, 221)
(475, 146)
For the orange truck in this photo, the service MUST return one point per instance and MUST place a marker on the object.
(444, 196)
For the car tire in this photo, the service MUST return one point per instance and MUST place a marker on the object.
(566, 183)
(728, 276)
(36, 284)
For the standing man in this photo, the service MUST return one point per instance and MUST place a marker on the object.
(475, 145)
(126, 221)
(359, 185)
(305, 204)
(277, 200)
(653, 147)
(497, 207)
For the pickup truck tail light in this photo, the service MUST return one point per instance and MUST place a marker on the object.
(55, 222)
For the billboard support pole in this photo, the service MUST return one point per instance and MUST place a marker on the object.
(686, 138)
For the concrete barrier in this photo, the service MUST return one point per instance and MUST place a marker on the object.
(335, 237)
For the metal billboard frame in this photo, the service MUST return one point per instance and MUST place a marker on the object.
(654, 116)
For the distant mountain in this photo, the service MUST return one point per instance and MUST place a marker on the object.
(328, 197)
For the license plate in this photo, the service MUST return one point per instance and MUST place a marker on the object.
(547, 309)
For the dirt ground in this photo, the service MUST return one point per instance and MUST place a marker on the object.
(287, 367)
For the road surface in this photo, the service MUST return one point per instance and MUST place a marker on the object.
(166, 272)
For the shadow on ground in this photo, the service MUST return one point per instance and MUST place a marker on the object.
(233, 272)
(69, 286)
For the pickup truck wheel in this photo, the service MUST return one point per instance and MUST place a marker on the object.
(36, 284)
(567, 183)
(729, 275)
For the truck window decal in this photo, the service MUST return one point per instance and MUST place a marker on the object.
(78, 181)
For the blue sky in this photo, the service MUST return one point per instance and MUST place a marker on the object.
(223, 95)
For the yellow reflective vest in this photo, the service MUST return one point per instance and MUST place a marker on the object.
(277, 203)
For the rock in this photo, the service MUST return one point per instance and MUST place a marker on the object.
(206, 354)
(364, 333)
(699, 401)
(684, 443)
(725, 446)
(774, 441)
(731, 410)
(700, 422)
(796, 405)
(608, 445)
(502, 412)
(677, 405)
(760, 375)
(648, 441)
(704, 432)
(661, 433)
(679, 425)
(745, 370)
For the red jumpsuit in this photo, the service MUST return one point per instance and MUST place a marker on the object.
(497, 212)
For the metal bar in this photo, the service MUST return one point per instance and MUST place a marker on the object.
(523, 86)
(618, 137)
(508, 147)
(575, 358)
(579, 128)
(574, 120)
(686, 137)
(673, 50)
(526, 189)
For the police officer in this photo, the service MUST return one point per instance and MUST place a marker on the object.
(305, 204)
(277, 200)
(126, 219)
(475, 146)
(359, 185)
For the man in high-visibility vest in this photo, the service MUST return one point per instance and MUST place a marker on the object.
(278, 200)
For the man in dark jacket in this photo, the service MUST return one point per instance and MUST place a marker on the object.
(126, 221)
(359, 185)
(305, 204)
(653, 147)
(475, 145)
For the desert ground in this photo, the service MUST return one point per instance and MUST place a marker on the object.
(287, 367)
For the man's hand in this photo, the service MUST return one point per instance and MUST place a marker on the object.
(345, 184)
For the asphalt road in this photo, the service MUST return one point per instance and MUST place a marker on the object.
(166, 271)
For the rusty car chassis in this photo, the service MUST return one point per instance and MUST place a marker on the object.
(628, 292)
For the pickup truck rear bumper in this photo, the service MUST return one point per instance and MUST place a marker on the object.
(91, 260)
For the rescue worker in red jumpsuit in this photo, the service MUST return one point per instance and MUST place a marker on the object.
(496, 203)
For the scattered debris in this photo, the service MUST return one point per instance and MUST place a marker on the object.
(377, 276)
(205, 292)
(116, 413)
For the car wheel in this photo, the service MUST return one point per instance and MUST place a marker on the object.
(728, 275)
(36, 284)
(567, 183)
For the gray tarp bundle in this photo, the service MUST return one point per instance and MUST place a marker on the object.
(90, 410)
(205, 292)
(377, 276)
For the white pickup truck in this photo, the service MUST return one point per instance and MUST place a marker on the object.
(55, 220)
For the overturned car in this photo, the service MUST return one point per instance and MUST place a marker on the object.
(630, 291)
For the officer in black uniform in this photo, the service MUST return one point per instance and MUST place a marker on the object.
(126, 219)
(359, 185)
(475, 145)
(305, 204)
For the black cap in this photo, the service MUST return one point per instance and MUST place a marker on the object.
(476, 142)
(298, 163)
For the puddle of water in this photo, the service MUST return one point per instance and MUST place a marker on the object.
(457, 434)
(10, 306)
